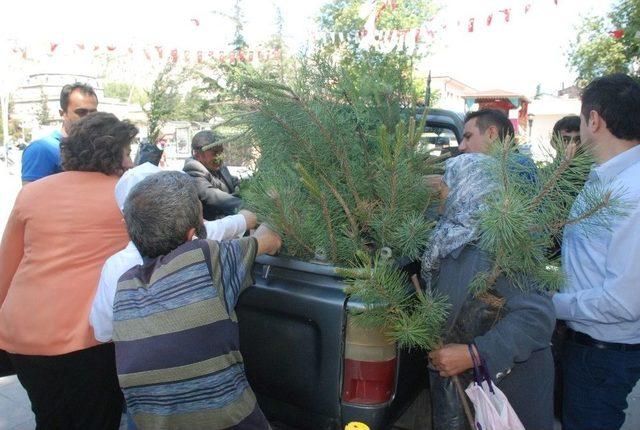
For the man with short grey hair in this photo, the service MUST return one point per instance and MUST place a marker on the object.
(175, 327)
(101, 315)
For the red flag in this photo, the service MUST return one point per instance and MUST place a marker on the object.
(159, 49)
(174, 55)
(196, 21)
(80, 45)
(470, 25)
(111, 47)
(96, 47)
(489, 19)
(130, 50)
(199, 56)
(24, 53)
(527, 7)
(617, 34)
(53, 46)
(146, 54)
(417, 36)
(507, 14)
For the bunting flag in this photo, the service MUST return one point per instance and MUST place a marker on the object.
(507, 14)
(617, 34)
(366, 37)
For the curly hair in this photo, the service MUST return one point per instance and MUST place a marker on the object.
(96, 143)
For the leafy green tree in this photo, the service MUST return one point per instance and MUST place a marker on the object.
(117, 90)
(43, 115)
(164, 100)
(350, 16)
(608, 44)
(239, 42)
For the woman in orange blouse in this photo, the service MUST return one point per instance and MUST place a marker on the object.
(59, 234)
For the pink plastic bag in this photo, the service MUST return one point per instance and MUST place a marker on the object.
(493, 410)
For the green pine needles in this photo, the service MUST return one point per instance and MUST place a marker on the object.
(340, 177)
(525, 216)
(414, 318)
(338, 171)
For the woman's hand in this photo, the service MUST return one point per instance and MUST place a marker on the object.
(452, 359)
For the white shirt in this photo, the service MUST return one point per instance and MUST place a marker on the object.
(101, 316)
(602, 267)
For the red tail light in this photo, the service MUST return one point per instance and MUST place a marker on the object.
(369, 366)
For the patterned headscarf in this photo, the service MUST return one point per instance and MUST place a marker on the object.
(469, 182)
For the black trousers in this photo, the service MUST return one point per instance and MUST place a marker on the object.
(78, 390)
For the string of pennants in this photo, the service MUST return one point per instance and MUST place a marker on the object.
(150, 53)
(386, 40)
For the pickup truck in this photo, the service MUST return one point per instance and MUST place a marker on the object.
(309, 365)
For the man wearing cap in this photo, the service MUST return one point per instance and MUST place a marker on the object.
(216, 186)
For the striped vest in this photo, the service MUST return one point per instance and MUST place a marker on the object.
(176, 339)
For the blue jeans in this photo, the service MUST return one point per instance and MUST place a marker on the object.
(596, 385)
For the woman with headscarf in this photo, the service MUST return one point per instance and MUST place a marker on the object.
(511, 333)
(58, 236)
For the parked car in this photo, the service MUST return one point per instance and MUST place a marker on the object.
(309, 365)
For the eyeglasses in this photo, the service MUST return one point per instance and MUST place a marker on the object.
(568, 139)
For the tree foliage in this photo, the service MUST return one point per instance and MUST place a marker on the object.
(339, 171)
(43, 114)
(598, 50)
(164, 99)
(412, 317)
(523, 217)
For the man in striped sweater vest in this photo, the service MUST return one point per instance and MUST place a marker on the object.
(175, 328)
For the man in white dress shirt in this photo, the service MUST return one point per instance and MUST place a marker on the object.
(601, 301)
(101, 316)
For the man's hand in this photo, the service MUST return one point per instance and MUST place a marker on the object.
(269, 242)
(452, 359)
(250, 218)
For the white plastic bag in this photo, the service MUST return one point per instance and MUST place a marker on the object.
(493, 410)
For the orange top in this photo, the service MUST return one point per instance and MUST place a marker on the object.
(59, 234)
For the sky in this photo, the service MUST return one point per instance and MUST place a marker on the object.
(515, 56)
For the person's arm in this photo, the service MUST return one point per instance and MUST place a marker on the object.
(235, 259)
(11, 249)
(231, 226)
(526, 327)
(269, 242)
(618, 299)
(101, 315)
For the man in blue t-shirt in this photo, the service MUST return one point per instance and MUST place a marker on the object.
(42, 157)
